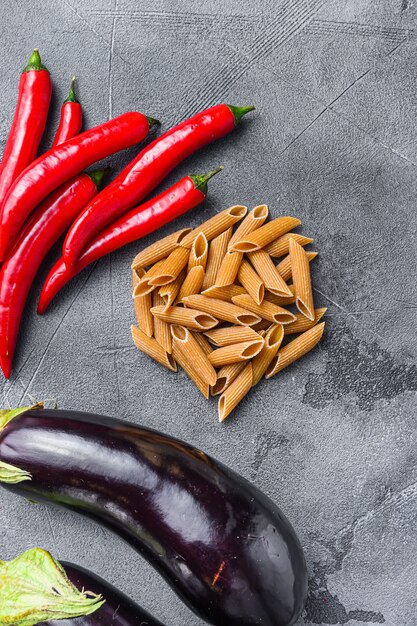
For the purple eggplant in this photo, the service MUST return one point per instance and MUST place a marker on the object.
(37, 589)
(222, 545)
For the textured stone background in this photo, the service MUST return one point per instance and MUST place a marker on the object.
(333, 440)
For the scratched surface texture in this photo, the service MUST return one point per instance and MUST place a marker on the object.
(334, 141)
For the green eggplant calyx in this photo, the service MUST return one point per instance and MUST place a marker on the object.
(35, 588)
(7, 415)
(12, 475)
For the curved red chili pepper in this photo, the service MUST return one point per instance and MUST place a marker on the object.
(63, 162)
(28, 123)
(41, 231)
(71, 118)
(186, 194)
(147, 170)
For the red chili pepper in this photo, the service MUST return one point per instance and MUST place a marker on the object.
(28, 123)
(186, 194)
(71, 118)
(63, 162)
(147, 170)
(41, 231)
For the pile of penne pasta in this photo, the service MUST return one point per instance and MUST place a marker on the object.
(214, 301)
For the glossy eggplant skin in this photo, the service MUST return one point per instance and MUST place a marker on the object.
(222, 545)
(118, 610)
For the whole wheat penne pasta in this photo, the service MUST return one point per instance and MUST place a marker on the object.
(223, 293)
(266, 310)
(195, 355)
(170, 291)
(191, 373)
(281, 300)
(302, 280)
(235, 392)
(281, 246)
(262, 326)
(149, 346)
(302, 323)
(252, 221)
(272, 343)
(222, 310)
(268, 273)
(285, 269)
(142, 305)
(295, 349)
(143, 286)
(161, 330)
(216, 224)
(226, 375)
(203, 343)
(228, 269)
(217, 250)
(250, 280)
(159, 250)
(262, 236)
(192, 283)
(235, 353)
(190, 318)
(198, 252)
(171, 267)
(232, 334)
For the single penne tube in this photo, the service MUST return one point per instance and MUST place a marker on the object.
(198, 252)
(264, 235)
(190, 318)
(144, 287)
(171, 267)
(295, 349)
(149, 346)
(217, 250)
(281, 246)
(266, 310)
(203, 343)
(272, 343)
(302, 280)
(228, 269)
(170, 291)
(192, 283)
(235, 392)
(235, 353)
(252, 221)
(223, 293)
(226, 375)
(160, 249)
(302, 323)
(222, 310)
(268, 273)
(161, 330)
(285, 269)
(191, 373)
(194, 354)
(281, 300)
(232, 334)
(217, 224)
(142, 305)
(251, 282)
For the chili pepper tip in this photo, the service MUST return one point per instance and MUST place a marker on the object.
(200, 180)
(239, 112)
(35, 62)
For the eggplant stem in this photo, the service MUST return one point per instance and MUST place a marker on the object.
(7, 415)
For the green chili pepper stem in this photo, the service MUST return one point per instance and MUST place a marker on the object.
(45, 591)
(152, 121)
(98, 176)
(200, 180)
(71, 96)
(239, 112)
(35, 62)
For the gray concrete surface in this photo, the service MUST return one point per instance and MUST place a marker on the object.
(334, 140)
